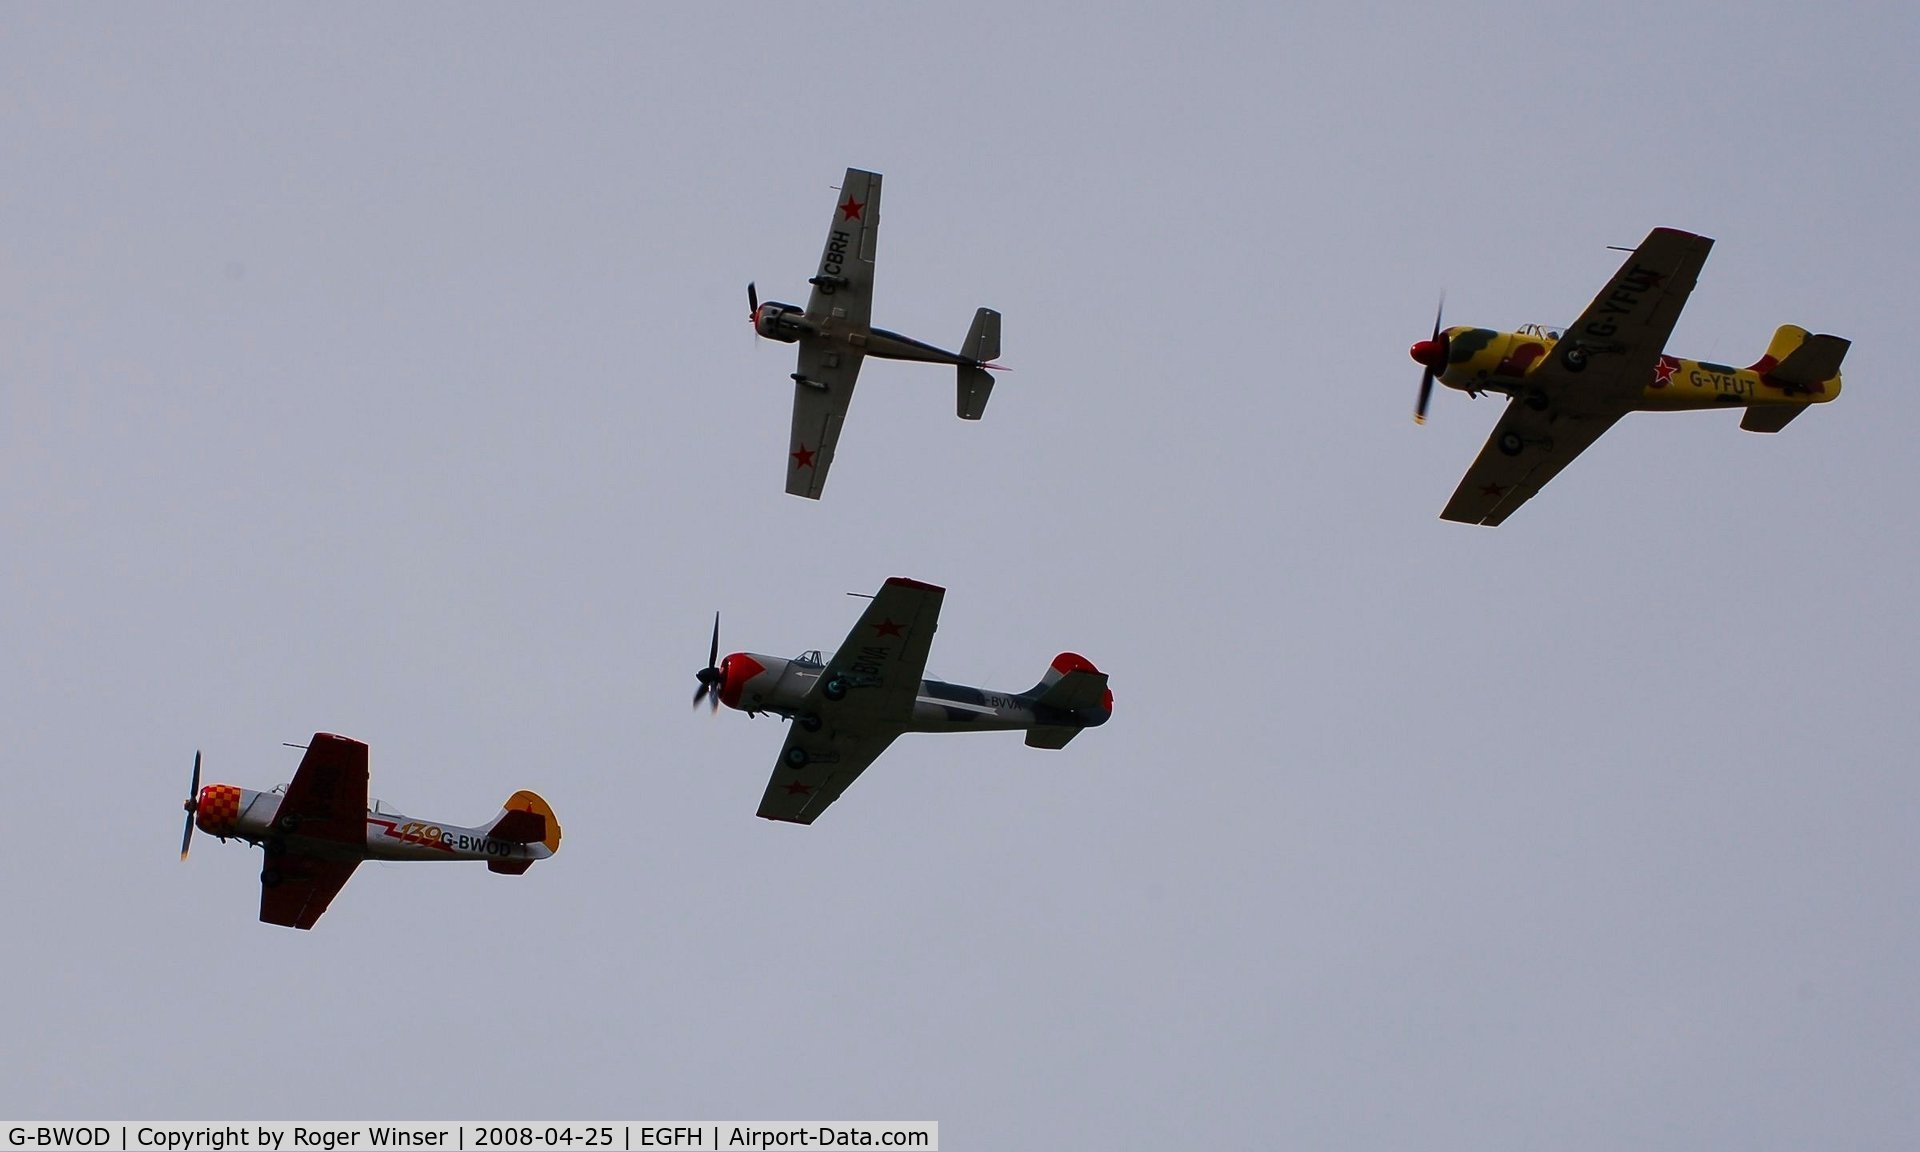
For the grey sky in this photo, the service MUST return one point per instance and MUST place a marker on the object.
(387, 373)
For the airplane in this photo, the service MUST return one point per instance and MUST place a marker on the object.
(845, 711)
(317, 829)
(1564, 389)
(834, 337)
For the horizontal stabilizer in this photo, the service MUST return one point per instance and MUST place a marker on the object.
(520, 828)
(1081, 688)
(976, 384)
(526, 819)
(1051, 736)
(1813, 363)
(983, 339)
(982, 346)
(1770, 417)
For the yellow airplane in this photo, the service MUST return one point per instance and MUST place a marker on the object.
(1564, 389)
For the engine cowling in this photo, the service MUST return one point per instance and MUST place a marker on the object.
(782, 322)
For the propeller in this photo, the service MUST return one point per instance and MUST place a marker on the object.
(192, 805)
(711, 677)
(753, 305)
(1431, 353)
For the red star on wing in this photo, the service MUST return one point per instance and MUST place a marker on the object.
(886, 628)
(802, 457)
(1493, 489)
(1663, 370)
(798, 789)
(851, 209)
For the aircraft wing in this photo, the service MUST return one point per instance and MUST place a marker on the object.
(863, 700)
(881, 662)
(1626, 327)
(328, 797)
(843, 285)
(295, 888)
(1527, 449)
(815, 767)
(820, 402)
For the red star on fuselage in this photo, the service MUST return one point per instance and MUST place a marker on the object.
(1663, 370)
(886, 628)
(802, 457)
(851, 209)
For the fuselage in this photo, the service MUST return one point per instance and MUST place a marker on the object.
(225, 810)
(1483, 360)
(755, 683)
(788, 324)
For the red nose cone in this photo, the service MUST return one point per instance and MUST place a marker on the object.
(735, 671)
(1428, 354)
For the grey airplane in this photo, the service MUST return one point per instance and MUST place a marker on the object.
(835, 336)
(847, 710)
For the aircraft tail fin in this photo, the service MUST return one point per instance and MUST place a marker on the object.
(982, 346)
(1073, 692)
(1798, 361)
(525, 819)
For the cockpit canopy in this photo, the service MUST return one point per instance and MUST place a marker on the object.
(810, 659)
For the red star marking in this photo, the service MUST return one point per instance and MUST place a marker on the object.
(886, 628)
(851, 209)
(1493, 489)
(798, 789)
(802, 458)
(1663, 370)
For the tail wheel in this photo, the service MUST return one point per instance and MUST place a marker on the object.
(1536, 400)
(1511, 444)
(810, 722)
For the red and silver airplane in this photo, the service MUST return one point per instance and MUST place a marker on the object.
(319, 828)
(846, 710)
(835, 335)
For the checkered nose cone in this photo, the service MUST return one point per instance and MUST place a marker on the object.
(219, 809)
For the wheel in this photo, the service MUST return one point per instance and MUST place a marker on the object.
(835, 689)
(796, 757)
(270, 878)
(1536, 400)
(287, 823)
(810, 722)
(1511, 444)
(1574, 359)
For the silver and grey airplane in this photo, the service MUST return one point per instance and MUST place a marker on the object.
(846, 710)
(835, 335)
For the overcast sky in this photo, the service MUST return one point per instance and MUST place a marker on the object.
(384, 371)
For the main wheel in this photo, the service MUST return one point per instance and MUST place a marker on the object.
(1511, 444)
(1574, 359)
(835, 688)
(287, 823)
(796, 757)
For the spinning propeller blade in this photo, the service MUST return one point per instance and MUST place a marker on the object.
(753, 304)
(710, 677)
(192, 805)
(1429, 353)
